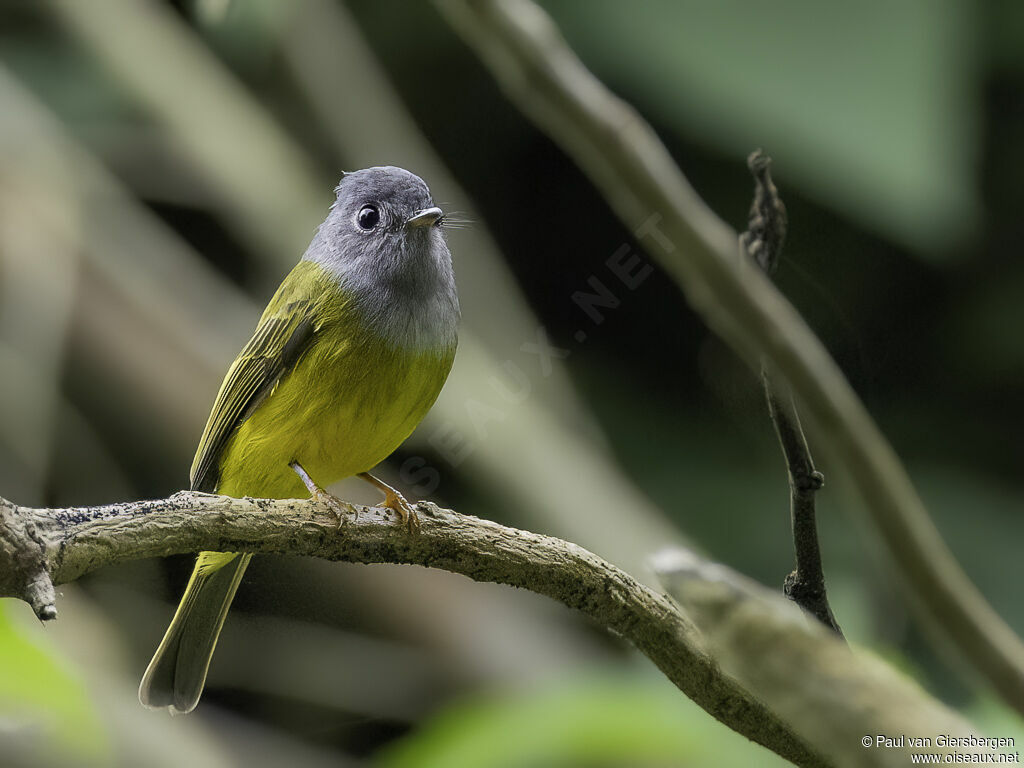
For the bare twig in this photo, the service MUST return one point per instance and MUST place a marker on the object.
(767, 222)
(622, 155)
(43, 547)
(805, 585)
(763, 241)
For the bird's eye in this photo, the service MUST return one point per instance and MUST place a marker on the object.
(368, 217)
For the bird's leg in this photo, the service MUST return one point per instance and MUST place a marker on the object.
(395, 501)
(319, 494)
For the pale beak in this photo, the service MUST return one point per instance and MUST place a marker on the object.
(428, 217)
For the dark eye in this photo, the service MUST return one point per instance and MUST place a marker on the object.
(368, 217)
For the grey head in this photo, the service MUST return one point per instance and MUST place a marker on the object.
(384, 242)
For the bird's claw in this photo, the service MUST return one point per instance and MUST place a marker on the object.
(336, 505)
(396, 502)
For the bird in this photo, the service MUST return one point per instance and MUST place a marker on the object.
(346, 360)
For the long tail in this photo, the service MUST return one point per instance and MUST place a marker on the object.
(177, 673)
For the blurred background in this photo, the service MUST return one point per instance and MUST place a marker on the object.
(162, 166)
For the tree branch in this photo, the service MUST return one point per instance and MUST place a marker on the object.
(835, 696)
(805, 585)
(763, 241)
(43, 547)
(625, 159)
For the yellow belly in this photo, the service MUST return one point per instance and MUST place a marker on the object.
(343, 409)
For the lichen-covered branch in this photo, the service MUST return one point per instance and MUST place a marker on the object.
(43, 547)
(623, 156)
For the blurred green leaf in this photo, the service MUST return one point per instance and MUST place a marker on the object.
(601, 720)
(869, 106)
(44, 710)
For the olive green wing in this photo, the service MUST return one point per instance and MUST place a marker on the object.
(283, 334)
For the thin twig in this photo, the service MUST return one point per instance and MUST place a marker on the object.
(763, 241)
(767, 222)
(805, 585)
(642, 184)
(43, 547)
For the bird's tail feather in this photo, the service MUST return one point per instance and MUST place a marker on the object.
(177, 673)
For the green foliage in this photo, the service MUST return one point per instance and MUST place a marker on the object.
(46, 717)
(599, 720)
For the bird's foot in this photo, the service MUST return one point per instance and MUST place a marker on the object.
(336, 505)
(396, 502)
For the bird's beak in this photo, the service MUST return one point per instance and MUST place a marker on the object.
(428, 217)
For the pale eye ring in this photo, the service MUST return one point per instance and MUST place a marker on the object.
(368, 217)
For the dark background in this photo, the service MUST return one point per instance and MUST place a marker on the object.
(142, 229)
